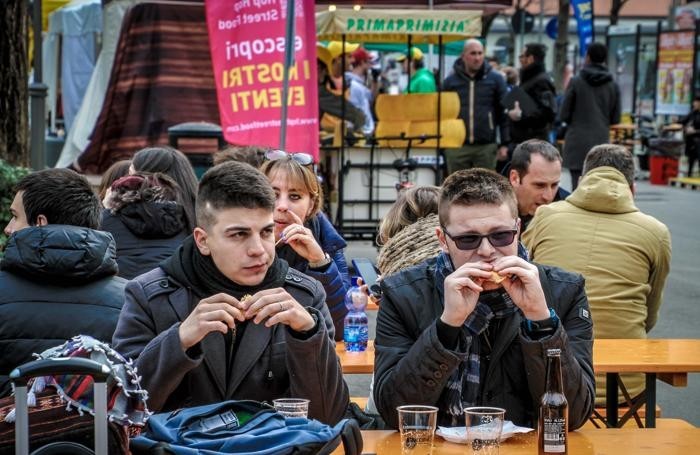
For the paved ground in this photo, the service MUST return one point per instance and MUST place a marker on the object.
(679, 209)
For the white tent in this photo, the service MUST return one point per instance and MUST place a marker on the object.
(78, 137)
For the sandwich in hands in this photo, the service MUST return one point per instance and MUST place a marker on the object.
(496, 278)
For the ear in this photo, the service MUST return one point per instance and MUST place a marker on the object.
(514, 177)
(442, 239)
(41, 220)
(200, 239)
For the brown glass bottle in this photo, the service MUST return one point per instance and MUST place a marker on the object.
(553, 423)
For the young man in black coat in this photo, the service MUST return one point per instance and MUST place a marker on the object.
(58, 276)
(224, 318)
(471, 327)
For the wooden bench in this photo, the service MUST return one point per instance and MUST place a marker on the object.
(598, 419)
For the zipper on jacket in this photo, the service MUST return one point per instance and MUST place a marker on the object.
(491, 120)
(471, 112)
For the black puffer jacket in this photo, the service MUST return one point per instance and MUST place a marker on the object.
(57, 282)
(412, 366)
(480, 103)
(535, 81)
(146, 233)
(591, 104)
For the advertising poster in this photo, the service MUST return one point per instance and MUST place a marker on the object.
(621, 56)
(674, 73)
(247, 44)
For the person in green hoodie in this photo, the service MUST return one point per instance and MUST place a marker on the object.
(422, 79)
(623, 254)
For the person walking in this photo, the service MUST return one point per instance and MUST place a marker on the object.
(591, 104)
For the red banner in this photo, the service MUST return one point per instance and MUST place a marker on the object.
(247, 43)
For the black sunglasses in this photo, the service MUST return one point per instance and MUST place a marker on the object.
(302, 158)
(472, 241)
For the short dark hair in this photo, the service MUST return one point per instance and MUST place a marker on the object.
(615, 156)
(63, 196)
(232, 184)
(597, 52)
(537, 50)
(521, 155)
(174, 163)
(473, 187)
(255, 156)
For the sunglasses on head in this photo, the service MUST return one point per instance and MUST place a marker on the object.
(302, 158)
(473, 241)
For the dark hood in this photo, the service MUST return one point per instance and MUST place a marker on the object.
(596, 74)
(60, 254)
(462, 72)
(153, 220)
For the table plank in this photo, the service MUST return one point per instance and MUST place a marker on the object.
(673, 357)
(667, 440)
(646, 356)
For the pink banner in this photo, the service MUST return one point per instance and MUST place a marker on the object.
(246, 39)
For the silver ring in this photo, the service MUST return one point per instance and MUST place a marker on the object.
(281, 306)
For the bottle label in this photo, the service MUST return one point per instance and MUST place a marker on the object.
(554, 435)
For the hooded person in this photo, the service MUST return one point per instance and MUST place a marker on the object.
(591, 104)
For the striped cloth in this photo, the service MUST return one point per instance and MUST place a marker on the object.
(162, 76)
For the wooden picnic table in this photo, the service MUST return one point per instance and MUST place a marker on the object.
(670, 440)
(669, 360)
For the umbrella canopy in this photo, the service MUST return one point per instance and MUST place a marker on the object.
(392, 26)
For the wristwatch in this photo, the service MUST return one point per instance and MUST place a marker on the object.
(548, 325)
(322, 263)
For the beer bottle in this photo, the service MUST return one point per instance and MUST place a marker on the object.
(553, 423)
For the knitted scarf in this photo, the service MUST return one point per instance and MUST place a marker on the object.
(462, 388)
(199, 273)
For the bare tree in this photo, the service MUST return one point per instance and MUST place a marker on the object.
(615, 7)
(561, 44)
(14, 147)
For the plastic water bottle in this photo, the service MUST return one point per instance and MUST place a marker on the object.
(356, 328)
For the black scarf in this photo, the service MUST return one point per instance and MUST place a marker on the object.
(199, 273)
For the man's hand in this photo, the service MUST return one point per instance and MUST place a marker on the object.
(462, 289)
(516, 113)
(217, 313)
(276, 306)
(525, 290)
(302, 240)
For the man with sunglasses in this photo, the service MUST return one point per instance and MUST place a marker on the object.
(450, 336)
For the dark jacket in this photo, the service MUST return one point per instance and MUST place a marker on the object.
(412, 366)
(56, 282)
(692, 140)
(591, 104)
(480, 103)
(146, 233)
(335, 278)
(525, 219)
(536, 124)
(271, 363)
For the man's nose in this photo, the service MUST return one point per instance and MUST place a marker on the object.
(485, 248)
(256, 247)
(8, 229)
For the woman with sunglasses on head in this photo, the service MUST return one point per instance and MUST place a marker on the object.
(306, 238)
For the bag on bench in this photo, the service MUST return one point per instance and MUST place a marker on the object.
(237, 427)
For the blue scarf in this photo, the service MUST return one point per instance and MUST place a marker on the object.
(462, 388)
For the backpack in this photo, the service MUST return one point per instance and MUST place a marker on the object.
(242, 427)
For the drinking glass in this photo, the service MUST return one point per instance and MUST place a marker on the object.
(292, 407)
(417, 426)
(484, 426)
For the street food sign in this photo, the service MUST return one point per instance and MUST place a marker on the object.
(674, 73)
(392, 26)
(247, 45)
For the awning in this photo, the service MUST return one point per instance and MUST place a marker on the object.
(392, 26)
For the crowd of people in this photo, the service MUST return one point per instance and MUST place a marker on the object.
(233, 287)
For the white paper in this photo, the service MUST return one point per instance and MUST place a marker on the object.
(459, 434)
